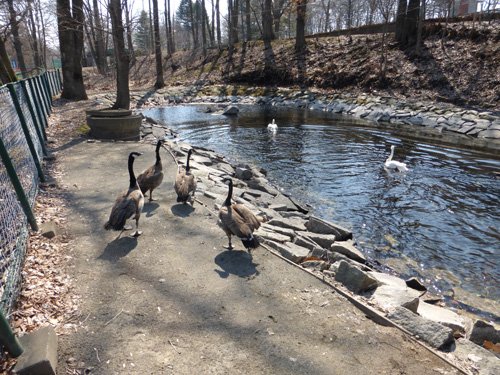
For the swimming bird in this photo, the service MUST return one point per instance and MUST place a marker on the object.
(128, 204)
(272, 126)
(152, 177)
(238, 220)
(393, 164)
(185, 182)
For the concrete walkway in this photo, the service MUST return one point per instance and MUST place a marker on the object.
(174, 301)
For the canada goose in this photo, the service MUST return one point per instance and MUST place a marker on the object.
(272, 126)
(393, 164)
(128, 204)
(152, 177)
(185, 182)
(236, 219)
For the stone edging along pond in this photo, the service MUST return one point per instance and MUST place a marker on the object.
(329, 250)
(472, 127)
(324, 247)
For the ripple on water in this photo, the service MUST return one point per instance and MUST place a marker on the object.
(441, 215)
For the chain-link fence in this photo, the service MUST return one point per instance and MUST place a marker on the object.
(24, 107)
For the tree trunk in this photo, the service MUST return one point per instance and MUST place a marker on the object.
(168, 28)
(411, 22)
(267, 21)
(121, 56)
(217, 15)
(18, 46)
(300, 36)
(193, 29)
(419, 28)
(400, 21)
(34, 35)
(6, 72)
(159, 66)
(248, 20)
(233, 32)
(44, 45)
(130, 44)
(100, 52)
(152, 43)
(70, 26)
(203, 30)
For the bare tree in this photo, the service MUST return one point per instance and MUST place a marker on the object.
(70, 20)
(14, 28)
(300, 36)
(34, 34)
(267, 21)
(160, 82)
(6, 72)
(122, 58)
(168, 29)
(128, 23)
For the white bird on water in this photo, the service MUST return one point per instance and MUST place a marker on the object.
(393, 164)
(272, 126)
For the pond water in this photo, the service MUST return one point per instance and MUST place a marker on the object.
(439, 221)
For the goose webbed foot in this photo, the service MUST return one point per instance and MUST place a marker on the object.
(127, 227)
(137, 233)
(229, 247)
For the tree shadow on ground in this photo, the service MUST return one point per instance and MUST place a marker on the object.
(239, 263)
(118, 248)
(182, 210)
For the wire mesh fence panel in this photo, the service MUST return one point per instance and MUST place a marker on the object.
(32, 98)
(13, 222)
(23, 102)
(13, 237)
(14, 139)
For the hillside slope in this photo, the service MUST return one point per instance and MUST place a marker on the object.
(459, 64)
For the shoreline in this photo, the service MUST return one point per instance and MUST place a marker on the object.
(445, 122)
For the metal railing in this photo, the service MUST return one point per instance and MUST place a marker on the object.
(24, 108)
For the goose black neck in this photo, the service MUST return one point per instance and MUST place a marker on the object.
(187, 162)
(227, 202)
(133, 181)
(158, 159)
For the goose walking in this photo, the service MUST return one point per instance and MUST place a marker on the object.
(238, 220)
(152, 177)
(128, 204)
(185, 182)
(272, 126)
(393, 164)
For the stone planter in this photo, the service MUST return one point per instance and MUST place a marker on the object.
(117, 124)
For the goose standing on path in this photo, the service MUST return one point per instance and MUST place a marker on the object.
(152, 177)
(128, 204)
(393, 164)
(272, 126)
(185, 182)
(238, 220)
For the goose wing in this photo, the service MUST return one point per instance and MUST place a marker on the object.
(185, 183)
(151, 178)
(124, 208)
(232, 222)
(247, 215)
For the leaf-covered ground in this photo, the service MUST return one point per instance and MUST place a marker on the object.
(459, 64)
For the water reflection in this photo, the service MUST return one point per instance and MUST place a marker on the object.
(443, 214)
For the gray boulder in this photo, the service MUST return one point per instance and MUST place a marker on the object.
(348, 249)
(321, 226)
(353, 278)
(434, 334)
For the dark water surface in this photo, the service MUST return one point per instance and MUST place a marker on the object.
(440, 221)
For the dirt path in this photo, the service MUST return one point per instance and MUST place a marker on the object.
(174, 301)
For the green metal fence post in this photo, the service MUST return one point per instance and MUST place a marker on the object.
(59, 81)
(41, 133)
(45, 80)
(43, 103)
(26, 131)
(51, 84)
(21, 195)
(46, 94)
(8, 339)
(37, 100)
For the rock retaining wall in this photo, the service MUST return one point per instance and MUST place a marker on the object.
(328, 250)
